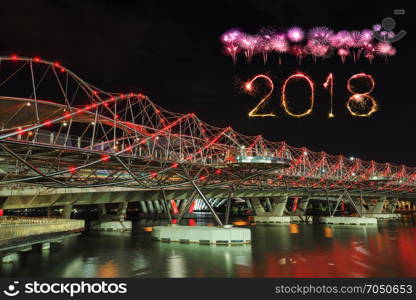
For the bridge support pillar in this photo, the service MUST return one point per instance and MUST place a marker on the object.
(258, 208)
(67, 210)
(150, 206)
(302, 206)
(49, 211)
(268, 205)
(182, 205)
(275, 215)
(115, 222)
(122, 210)
(250, 207)
(143, 206)
(378, 208)
(392, 205)
(279, 205)
(157, 206)
(102, 210)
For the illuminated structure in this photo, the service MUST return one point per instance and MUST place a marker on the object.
(63, 140)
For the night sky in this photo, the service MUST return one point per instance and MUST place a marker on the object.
(172, 52)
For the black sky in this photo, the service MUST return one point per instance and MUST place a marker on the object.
(171, 52)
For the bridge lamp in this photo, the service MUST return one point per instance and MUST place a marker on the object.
(352, 158)
(353, 174)
(305, 153)
(28, 104)
(64, 124)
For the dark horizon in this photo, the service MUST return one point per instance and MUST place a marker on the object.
(173, 54)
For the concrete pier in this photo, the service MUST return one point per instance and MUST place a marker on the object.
(272, 219)
(348, 220)
(202, 234)
(45, 246)
(10, 258)
(301, 219)
(383, 216)
(112, 225)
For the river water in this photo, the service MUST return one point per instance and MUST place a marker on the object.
(292, 250)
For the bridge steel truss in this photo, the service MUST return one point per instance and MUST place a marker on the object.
(58, 131)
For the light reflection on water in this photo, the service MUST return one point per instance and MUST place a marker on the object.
(291, 250)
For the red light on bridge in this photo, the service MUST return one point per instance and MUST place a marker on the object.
(218, 171)
(36, 59)
(153, 174)
(72, 170)
(174, 165)
(13, 57)
(202, 177)
(67, 115)
(47, 123)
(105, 158)
(56, 64)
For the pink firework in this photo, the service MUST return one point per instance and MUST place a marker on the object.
(385, 49)
(345, 39)
(369, 55)
(231, 36)
(249, 43)
(299, 52)
(356, 39)
(265, 46)
(279, 43)
(343, 53)
(295, 34)
(317, 42)
(321, 34)
(317, 49)
(231, 40)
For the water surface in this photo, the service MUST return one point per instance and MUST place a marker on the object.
(292, 250)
